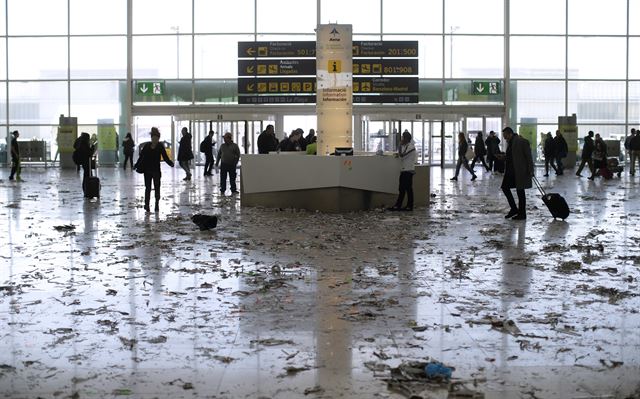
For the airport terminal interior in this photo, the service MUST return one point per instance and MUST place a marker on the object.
(310, 286)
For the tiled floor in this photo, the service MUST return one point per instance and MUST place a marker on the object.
(273, 304)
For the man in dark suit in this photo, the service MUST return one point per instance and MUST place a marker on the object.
(517, 174)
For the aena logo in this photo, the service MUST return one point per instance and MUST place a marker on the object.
(334, 33)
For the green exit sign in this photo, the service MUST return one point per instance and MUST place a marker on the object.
(151, 88)
(486, 88)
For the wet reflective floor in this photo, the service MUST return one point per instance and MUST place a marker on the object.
(99, 299)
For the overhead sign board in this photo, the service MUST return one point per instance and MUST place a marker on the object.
(150, 88)
(276, 67)
(385, 85)
(276, 49)
(310, 99)
(385, 49)
(277, 85)
(386, 98)
(307, 49)
(486, 88)
(385, 67)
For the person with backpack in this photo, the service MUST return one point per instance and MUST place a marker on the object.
(185, 153)
(127, 148)
(149, 163)
(206, 147)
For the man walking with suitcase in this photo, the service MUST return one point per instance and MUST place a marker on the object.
(517, 174)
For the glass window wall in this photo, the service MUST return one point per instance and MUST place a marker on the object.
(162, 16)
(474, 57)
(597, 58)
(364, 15)
(103, 57)
(597, 102)
(92, 17)
(38, 58)
(597, 17)
(535, 57)
(537, 17)
(37, 17)
(472, 16)
(37, 102)
(237, 19)
(288, 16)
(412, 16)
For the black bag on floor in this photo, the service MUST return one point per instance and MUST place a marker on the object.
(555, 202)
(498, 165)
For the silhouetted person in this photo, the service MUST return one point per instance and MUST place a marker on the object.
(84, 152)
(463, 146)
(493, 148)
(127, 148)
(185, 153)
(561, 151)
(149, 161)
(479, 150)
(587, 153)
(16, 167)
(599, 156)
(517, 173)
(549, 151)
(207, 145)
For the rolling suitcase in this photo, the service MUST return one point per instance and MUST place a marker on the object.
(555, 202)
(92, 185)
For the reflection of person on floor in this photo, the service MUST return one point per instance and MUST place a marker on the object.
(127, 148)
(228, 157)
(518, 173)
(149, 161)
(407, 155)
(462, 159)
(16, 167)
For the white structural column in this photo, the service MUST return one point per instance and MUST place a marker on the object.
(334, 102)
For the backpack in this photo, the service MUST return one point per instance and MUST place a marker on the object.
(203, 146)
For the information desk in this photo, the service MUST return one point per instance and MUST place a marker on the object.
(326, 183)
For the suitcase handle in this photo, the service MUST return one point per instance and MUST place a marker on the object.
(539, 186)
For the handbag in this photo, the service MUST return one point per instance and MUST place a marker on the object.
(138, 167)
(470, 154)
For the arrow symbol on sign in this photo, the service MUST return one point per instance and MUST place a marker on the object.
(480, 88)
(144, 88)
(250, 87)
(250, 51)
(250, 69)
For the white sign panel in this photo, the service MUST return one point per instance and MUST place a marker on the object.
(334, 102)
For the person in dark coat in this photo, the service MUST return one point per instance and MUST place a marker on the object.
(549, 152)
(207, 146)
(127, 148)
(228, 158)
(634, 149)
(493, 148)
(561, 151)
(479, 151)
(267, 141)
(84, 152)
(16, 167)
(185, 153)
(518, 173)
(463, 146)
(587, 153)
(599, 156)
(149, 162)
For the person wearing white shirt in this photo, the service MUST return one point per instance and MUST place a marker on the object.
(407, 155)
